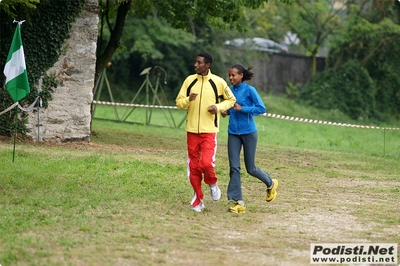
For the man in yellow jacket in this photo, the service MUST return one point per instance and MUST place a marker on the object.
(204, 95)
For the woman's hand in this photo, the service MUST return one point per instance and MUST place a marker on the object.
(237, 107)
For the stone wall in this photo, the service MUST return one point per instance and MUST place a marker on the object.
(272, 74)
(68, 117)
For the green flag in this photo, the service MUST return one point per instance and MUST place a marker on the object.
(15, 70)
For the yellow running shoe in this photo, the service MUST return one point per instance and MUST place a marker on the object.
(238, 208)
(271, 192)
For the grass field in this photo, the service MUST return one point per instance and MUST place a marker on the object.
(124, 198)
(282, 132)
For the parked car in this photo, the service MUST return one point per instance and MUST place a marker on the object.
(259, 44)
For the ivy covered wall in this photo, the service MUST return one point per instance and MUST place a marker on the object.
(57, 37)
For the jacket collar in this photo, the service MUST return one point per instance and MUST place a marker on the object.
(239, 86)
(208, 76)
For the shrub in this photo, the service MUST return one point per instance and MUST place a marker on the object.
(350, 89)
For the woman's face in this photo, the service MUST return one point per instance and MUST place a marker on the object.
(234, 76)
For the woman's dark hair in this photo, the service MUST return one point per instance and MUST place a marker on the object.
(247, 74)
(207, 57)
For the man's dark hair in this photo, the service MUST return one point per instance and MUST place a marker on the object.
(207, 57)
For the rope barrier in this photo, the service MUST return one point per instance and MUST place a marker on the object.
(27, 109)
(290, 118)
(9, 108)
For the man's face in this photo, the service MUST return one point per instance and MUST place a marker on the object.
(200, 67)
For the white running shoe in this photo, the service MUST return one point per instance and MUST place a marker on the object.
(215, 192)
(199, 207)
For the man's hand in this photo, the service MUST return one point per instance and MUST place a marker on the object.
(212, 109)
(192, 96)
(224, 113)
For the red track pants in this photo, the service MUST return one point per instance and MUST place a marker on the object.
(202, 149)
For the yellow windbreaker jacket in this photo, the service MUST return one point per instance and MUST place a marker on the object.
(211, 90)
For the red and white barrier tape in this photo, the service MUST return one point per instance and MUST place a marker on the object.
(135, 105)
(291, 118)
(284, 117)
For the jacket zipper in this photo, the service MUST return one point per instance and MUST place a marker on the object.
(201, 93)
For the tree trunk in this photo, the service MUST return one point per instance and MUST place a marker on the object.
(103, 59)
(313, 66)
(113, 43)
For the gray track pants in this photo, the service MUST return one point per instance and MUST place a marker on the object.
(249, 143)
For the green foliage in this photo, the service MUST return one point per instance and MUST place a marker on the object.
(148, 35)
(181, 14)
(48, 83)
(313, 22)
(384, 69)
(42, 36)
(292, 90)
(263, 22)
(150, 38)
(350, 90)
(371, 37)
(12, 7)
(192, 16)
(148, 42)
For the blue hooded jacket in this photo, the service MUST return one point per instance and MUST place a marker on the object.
(242, 122)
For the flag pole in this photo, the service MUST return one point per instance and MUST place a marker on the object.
(15, 131)
(17, 82)
(38, 115)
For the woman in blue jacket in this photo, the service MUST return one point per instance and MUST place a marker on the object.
(242, 132)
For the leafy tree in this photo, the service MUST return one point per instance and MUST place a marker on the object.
(149, 42)
(265, 22)
(12, 7)
(371, 36)
(314, 21)
(180, 14)
(364, 36)
(363, 64)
